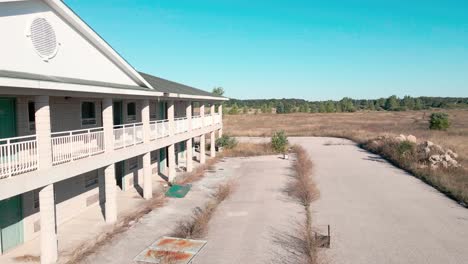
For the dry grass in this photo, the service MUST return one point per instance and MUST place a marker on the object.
(359, 126)
(364, 126)
(249, 150)
(124, 223)
(198, 173)
(197, 226)
(302, 189)
(27, 258)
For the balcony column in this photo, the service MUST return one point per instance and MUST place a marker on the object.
(145, 119)
(202, 149)
(188, 143)
(171, 148)
(108, 124)
(48, 225)
(170, 117)
(212, 112)
(110, 189)
(147, 182)
(202, 113)
(43, 131)
(220, 112)
(212, 144)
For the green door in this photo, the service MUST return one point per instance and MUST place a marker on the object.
(119, 166)
(7, 118)
(11, 224)
(11, 212)
(118, 113)
(162, 114)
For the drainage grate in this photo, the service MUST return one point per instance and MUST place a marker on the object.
(170, 250)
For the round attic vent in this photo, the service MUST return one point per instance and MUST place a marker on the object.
(43, 38)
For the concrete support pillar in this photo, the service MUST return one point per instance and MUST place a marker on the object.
(189, 154)
(202, 113)
(202, 149)
(220, 132)
(48, 225)
(172, 165)
(212, 112)
(212, 144)
(108, 124)
(110, 186)
(220, 110)
(170, 117)
(188, 114)
(147, 182)
(145, 119)
(43, 131)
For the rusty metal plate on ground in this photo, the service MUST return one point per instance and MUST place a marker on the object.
(170, 250)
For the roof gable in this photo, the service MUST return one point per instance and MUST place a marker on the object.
(81, 53)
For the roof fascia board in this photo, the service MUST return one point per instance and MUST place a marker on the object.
(69, 87)
(74, 20)
(201, 97)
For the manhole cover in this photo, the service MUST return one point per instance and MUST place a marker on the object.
(170, 250)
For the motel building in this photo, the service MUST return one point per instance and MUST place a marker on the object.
(79, 125)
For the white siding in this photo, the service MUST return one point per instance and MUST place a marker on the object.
(76, 57)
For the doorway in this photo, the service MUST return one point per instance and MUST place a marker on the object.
(119, 166)
(11, 222)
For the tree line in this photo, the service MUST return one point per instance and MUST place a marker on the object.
(392, 103)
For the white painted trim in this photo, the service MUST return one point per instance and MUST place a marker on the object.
(81, 88)
(66, 13)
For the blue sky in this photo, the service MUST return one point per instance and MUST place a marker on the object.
(314, 50)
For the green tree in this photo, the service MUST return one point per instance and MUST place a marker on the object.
(279, 141)
(408, 102)
(234, 109)
(392, 103)
(439, 121)
(218, 91)
(245, 110)
(280, 108)
(418, 104)
(330, 107)
(347, 105)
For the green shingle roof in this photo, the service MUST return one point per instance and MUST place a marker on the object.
(166, 86)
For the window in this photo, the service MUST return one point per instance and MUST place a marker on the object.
(91, 179)
(88, 113)
(131, 111)
(132, 163)
(31, 116)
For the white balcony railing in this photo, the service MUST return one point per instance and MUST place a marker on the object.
(197, 122)
(18, 155)
(217, 118)
(159, 129)
(208, 120)
(128, 135)
(77, 144)
(181, 125)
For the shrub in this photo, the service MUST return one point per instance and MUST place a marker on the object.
(226, 141)
(279, 141)
(406, 149)
(439, 121)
